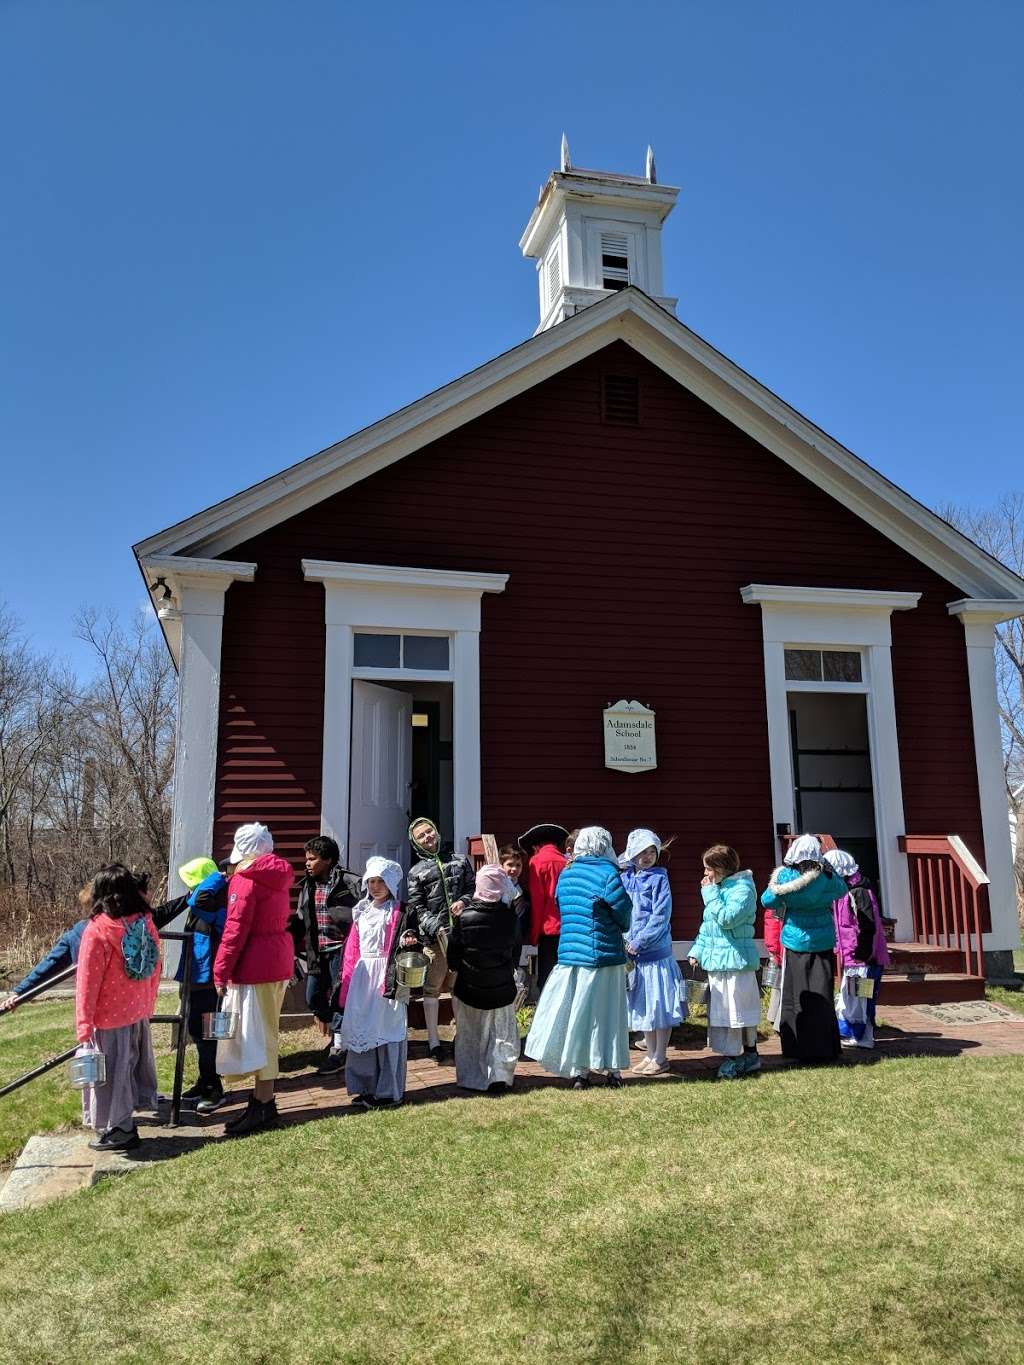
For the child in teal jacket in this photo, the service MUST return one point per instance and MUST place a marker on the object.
(726, 950)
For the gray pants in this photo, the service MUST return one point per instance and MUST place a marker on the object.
(379, 1073)
(131, 1078)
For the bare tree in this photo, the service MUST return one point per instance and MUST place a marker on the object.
(23, 685)
(1000, 530)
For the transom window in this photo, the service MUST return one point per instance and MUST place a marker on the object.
(824, 665)
(426, 653)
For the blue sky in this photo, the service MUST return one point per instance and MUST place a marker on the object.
(236, 231)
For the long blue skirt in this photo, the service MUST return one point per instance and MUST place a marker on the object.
(654, 995)
(580, 1024)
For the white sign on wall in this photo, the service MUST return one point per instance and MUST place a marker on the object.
(629, 738)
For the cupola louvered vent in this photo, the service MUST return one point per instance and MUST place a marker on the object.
(620, 400)
(614, 260)
(554, 276)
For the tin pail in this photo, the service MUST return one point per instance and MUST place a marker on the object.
(412, 969)
(219, 1026)
(87, 1068)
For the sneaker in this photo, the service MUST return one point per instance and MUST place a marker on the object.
(641, 1043)
(731, 1069)
(849, 1043)
(211, 1101)
(642, 1068)
(438, 1054)
(751, 1062)
(117, 1140)
(194, 1092)
(362, 1101)
(332, 1063)
(581, 1083)
(657, 1068)
(614, 1081)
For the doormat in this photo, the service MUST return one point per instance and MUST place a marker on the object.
(970, 1012)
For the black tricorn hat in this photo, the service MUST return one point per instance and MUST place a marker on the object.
(543, 834)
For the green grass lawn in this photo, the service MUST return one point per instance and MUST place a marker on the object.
(33, 1033)
(867, 1213)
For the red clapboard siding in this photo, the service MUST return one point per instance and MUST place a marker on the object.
(626, 549)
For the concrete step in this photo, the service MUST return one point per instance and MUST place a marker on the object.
(934, 989)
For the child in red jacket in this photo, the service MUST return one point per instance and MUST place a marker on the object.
(773, 943)
(115, 993)
(543, 845)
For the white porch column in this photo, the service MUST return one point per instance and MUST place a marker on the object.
(979, 618)
(193, 620)
(466, 734)
(334, 797)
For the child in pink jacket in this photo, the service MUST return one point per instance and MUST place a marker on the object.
(115, 993)
(862, 951)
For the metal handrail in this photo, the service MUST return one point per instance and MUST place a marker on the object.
(181, 1019)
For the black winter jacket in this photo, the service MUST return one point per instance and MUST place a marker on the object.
(426, 898)
(483, 949)
(344, 890)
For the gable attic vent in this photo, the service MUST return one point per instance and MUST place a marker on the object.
(614, 260)
(620, 400)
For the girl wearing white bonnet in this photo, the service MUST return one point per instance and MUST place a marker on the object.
(483, 949)
(374, 1025)
(801, 893)
(579, 1029)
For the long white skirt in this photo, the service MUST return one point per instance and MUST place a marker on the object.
(580, 1024)
(734, 1011)
(486, 1045)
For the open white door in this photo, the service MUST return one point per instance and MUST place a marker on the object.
(381, 774)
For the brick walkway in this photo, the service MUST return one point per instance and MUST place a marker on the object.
(906, 1033)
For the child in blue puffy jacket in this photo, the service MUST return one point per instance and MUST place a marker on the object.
(725, 948)
(653, 993)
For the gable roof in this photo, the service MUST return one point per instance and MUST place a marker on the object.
(630, 316)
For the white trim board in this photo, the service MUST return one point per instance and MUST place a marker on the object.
(629, 316)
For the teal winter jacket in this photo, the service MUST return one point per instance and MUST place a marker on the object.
(595, 910)
(803, 901)
(726, 939)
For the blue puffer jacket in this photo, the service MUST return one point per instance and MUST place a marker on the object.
(726, 939)
(208, 911)
(803, 900)
(650, 928)
(595, 914)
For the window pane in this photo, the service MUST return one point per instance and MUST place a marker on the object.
(841, 665)
(377, 651)
(425, 651)
(803, 665)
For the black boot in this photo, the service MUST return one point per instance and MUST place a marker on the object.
(258, 1116)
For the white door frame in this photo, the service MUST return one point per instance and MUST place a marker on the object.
(378, 597)
(840, 618)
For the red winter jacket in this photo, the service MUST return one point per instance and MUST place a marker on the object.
(546, 866)
(773, 936)
(256, 945)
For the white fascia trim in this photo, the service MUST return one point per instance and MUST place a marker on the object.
(383, 575)
(846, 599)
(980, 611)
(226, 570)
(977, 871)
(631, 316)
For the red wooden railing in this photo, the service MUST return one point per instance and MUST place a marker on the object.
(948, 894)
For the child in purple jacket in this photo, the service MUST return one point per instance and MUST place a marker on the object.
(862, 952)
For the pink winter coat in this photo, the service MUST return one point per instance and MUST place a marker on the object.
(105, 995)
(847, 928)
(256, 945)
(348, 964)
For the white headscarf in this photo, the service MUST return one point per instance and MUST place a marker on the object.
(594, 842)
(842, 862)
(638, 840)
(805, 849)
(251, 841)
(390, 873)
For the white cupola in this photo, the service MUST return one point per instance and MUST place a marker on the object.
(594, 232)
